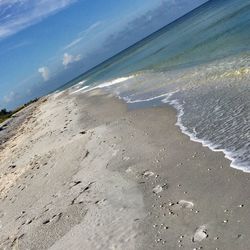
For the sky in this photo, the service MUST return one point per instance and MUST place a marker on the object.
(46, 43)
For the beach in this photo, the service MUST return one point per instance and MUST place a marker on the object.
(85, 172)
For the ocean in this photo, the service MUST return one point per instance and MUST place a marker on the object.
(199, 64)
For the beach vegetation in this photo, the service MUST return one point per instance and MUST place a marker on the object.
(6, 114)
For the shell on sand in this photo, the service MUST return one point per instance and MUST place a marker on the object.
(200, 234)
(157, 189)
(129, 170)
(148, 174)
(186, 204)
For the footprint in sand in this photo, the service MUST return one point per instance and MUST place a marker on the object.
(77, 199)
(86, 154)
(15, 240)
(12, 166)
(55, 218)
(74, 183)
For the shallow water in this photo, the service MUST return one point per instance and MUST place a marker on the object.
(201, 66)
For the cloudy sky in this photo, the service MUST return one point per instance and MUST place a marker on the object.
(45, 43)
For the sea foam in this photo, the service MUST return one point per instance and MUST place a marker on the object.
(107, 84)
(205, 143)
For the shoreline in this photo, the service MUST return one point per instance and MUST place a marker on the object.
(179, 113)
(163, 99)
(86, 171)
(204, 143)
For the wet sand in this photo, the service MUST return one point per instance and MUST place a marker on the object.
(83, 172)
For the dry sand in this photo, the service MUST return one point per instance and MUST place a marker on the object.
(83, 172)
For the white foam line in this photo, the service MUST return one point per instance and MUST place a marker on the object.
(149, 99)
(180, 113)
(81, 89)
(80, 83)
(118, 80)
(227, 154)
(104, 85)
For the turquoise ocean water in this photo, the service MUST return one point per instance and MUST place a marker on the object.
(200, 64)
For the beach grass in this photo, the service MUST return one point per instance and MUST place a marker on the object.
(5, 115)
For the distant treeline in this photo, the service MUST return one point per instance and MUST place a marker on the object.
(5, 114)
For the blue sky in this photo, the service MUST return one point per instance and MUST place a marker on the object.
(45, 43)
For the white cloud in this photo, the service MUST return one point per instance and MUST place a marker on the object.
(73, 43)
(68, 59)
(91, 28)
(15, 46)
(44, 71)
(16, 15)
